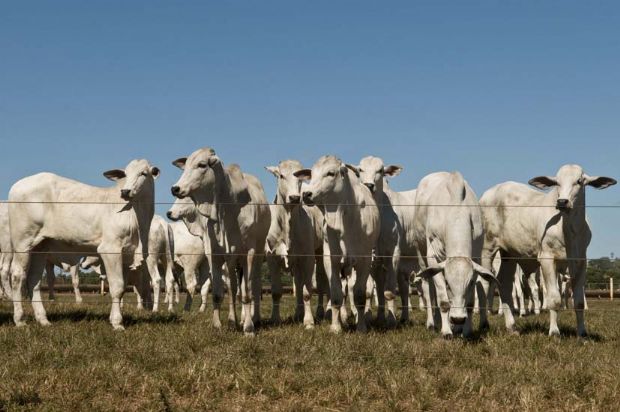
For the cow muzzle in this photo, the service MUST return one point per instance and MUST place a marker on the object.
(176, 192)
(562, 204)
(171, 216)
(308, 198)
(294, 199)
(125, 194)
(457, 320)
(370, 186)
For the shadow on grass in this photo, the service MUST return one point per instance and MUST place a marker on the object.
(80, 315)
(538, 327)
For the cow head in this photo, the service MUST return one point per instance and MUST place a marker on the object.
(185, 210)
(324, 182)
(372, 170)
(571, 182)
(198, 179)
(289, 187)
(137, 178)
(460, 274)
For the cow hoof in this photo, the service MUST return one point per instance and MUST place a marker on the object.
(447, 336)
(536, 312)
(336, 329)
(78, 301)
(554, 333)
(309, 326)
(484, 326)
(513, 332)
(430, 326)
(276, 320)
(249, 334)
(45, 323)
(320, 314)
(118, 327)
(202, 309)
(20, 324)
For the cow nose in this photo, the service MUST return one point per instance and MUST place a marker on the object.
(457, 320)
(175, 190)
(294, 199)
(307, 195)
(562, 204)
(371, 186)
(125, 193)
(169, 214)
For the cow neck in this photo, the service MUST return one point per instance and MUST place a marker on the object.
(574, 221)
(143, 207)
(226, 210)
(337, 212)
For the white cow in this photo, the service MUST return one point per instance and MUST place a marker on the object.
(396, 251)
(237, 225)
(55, 213)
(189, 251)
(161, 259)
(449, 235)
(535, 229)
(296, 233)
(350, 232)
(6, 254)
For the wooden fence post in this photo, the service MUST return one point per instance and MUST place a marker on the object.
(611, 288)
(102, 287)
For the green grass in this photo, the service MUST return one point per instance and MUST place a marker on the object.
(178, 362)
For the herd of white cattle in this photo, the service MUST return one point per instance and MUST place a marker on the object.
(338, 228)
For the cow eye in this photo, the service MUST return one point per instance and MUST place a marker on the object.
(331, 174)
(360, 170)
(144, 174)
(202, 165)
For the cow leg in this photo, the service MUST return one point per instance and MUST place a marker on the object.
(51, 278)
(376, 286)
(333, 269)
(191, 282)
(360, 290)
(233, 285)
(470, 300)
(172, 287)
(298, 284)
(273, 264)
(350, 279)
(306, 264)
(547, 264)
(389, 293)
(519, 294)
(534, 292)
(322, 286)
(427, 298)
(405, 296)
(578, 277)
(218, 288)
(444, 304)
(543, 286)
(19, 269)
(151, 262)
(256, 287)
(75, 280)
(33, 282)
(421, 299)
(505, 278)
(247, 293)
(482, 296)
(204, 291)
(490, 296)
(113, 263)
(5, 273)
(344, 313)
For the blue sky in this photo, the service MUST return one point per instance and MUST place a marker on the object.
(497, 90)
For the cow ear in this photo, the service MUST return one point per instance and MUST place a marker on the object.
(485, 273)
(115, 174)
(303, 174)
(599, 182)
(432, 271)
(273, 170)
(213, 160)
(543, 182)
(180, 162)
(155, 172)
(354, 169)
(392, 170)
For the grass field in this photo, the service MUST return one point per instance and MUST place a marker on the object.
(178, 362)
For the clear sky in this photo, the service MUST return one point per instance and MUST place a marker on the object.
(497, 90)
